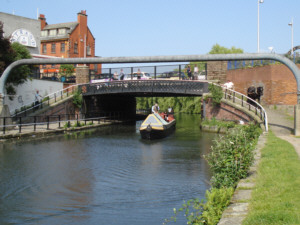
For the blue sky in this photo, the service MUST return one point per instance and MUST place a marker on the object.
(172, 27)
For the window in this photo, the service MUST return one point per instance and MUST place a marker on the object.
(62, 47)
(76, 48)
(62, 31)
(44, 48)
(88, 50)
(53, 47)
(52, 33)
(44, 33)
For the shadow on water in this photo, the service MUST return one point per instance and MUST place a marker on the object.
(108, 175)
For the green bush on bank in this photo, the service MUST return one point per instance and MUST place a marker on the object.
(232, 155)
(230, 159)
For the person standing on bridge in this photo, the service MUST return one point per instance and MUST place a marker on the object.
(196, 72)
(139, 74)
(189, 72)
(121, 75)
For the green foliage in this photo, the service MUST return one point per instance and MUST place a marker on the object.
(216, 93)
(219, 123)
(209, 213)
(67, 125)
(66, 70)
(218, 49)
(8, 54)
(232, 155)
(45, 99)
(77, 99)
(179, 104)
(20, 74)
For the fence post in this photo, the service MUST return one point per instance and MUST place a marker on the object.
(233, 97)
(77, 119)
(47, 122)
(58, 121)
(4, 125)
(69, 124)
(242, 101)
(154, 72)
(34, 123)
(180, 78)
(54, 97)
(20, 124)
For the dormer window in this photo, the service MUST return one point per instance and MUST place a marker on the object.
(52, 33)
(44, 33)
(62, 31)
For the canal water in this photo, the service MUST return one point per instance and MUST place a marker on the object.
(107, 176)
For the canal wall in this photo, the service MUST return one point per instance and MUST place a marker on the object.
(225, 111)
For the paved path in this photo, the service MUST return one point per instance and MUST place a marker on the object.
(283, 127)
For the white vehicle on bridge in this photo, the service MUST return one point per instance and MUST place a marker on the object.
(103, 77)
(134, 76)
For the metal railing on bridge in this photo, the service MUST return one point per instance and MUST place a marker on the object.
(247, 103)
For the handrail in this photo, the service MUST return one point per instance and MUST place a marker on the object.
(32, 106)
(234, 96)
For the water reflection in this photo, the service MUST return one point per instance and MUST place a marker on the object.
(109, 176)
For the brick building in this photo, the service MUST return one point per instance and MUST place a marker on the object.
(67, 40)
(278, 82)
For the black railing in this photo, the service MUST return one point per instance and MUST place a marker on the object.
(32, 123)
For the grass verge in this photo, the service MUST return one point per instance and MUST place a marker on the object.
(276, 197)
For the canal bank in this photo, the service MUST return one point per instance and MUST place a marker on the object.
(51, 129)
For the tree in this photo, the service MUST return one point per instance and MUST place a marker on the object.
(218, 49)
(66, 70)
(8, 54)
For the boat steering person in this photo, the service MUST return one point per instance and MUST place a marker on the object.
(155, 108)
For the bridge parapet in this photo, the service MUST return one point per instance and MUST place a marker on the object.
(147, 87)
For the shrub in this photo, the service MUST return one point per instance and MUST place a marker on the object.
(216, 93)
(77, 99)
(209, 213)
(232, 155)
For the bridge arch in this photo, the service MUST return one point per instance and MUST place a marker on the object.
(156, 59)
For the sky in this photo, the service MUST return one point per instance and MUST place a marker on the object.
(173, 27)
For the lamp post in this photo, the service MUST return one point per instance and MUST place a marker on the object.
(291, 24)
(258, 2)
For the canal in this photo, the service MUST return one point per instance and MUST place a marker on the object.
(106, 176)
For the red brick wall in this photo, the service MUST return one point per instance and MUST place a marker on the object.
(278, 82)
(224, 112)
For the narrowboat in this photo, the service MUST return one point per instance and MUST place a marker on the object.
(157, 126)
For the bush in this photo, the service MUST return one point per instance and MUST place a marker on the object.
(77, 99)
(216, 93)
(232, 155)
(209, 213)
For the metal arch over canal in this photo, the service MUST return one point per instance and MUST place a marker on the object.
(156, 59)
